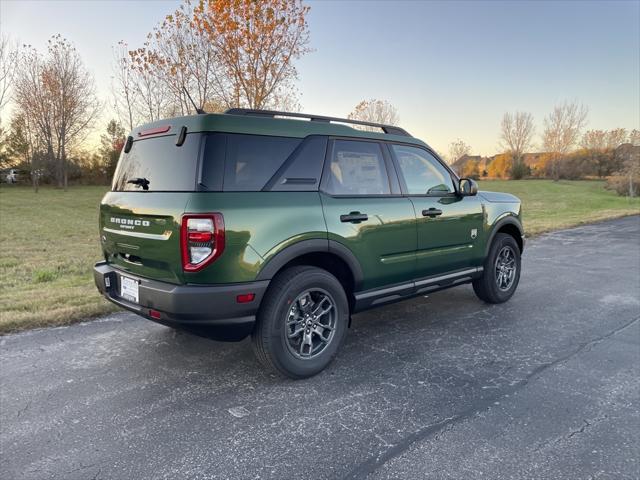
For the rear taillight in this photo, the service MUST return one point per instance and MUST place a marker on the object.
(202, 240)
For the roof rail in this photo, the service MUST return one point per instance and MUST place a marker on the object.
(389, 129)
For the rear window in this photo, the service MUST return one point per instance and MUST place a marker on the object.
(157, 164)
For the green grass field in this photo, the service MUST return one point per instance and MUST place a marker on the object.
(549, 205)
(49, 242)
(48, 245)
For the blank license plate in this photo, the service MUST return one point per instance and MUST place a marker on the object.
(129, 289)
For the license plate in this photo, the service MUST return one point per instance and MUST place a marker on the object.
(129, 289)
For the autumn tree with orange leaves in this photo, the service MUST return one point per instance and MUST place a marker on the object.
(257, 44)
(500, 166)
(224, 53)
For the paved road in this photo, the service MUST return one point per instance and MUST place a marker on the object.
(545, 386)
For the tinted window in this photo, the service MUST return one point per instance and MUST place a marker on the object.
(302, 171)
(213, 162)
(158, 161)
(422, 172)
(356, 168)
(251, 160)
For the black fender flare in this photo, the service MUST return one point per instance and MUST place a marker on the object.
(508, 220)
(304, 247)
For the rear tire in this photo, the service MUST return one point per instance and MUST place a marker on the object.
(501, 273)
(301, 323)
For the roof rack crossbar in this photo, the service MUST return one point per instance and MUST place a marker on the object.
(388, 129)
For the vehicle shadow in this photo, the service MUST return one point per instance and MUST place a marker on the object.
(404, 331)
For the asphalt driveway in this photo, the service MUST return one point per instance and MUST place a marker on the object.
(544, 386)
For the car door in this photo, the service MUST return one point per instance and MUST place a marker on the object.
(366, 212)
(447, 224)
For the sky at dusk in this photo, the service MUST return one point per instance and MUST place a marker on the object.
(451, 68)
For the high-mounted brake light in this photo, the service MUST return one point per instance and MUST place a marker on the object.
(154, 131)
(201, 239)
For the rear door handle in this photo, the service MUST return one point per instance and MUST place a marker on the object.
(354, 217)
(432, 212)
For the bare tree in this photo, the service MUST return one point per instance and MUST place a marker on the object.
(57, 96)
(594, 140)
(634, 137)
(458, 149)
(74, 100)
(8, 54)
(123, 87)
(517, 134)
(32, 99)
(615, 138)
(377, 111)
(562, 130)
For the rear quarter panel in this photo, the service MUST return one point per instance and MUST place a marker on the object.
(258, 225)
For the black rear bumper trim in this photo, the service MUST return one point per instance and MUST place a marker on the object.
(209, 310)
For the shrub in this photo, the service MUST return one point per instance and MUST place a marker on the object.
(622, 186)
(500, 166)
(520, 170)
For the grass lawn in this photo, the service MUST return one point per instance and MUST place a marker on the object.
(48, 245)
(49, 242)
(549, 205)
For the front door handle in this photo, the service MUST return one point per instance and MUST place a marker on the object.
(432, 212)
(354, 217)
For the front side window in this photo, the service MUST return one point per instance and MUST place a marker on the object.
(422, 172)
(357, 168)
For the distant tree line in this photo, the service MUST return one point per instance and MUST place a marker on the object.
(217, 54)
(566, 151)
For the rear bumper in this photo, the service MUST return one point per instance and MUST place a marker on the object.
(208, 310)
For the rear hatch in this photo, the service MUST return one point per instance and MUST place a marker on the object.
(140, 218)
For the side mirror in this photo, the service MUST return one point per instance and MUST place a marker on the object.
(468, 187)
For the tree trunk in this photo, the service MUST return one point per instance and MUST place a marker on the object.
(34, 174)
(64, 160)
(59, 167)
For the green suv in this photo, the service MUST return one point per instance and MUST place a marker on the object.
(260, 223)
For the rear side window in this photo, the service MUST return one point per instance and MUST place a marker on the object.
(356, 168)
(303, 169)
(157, 164)
(251, 160)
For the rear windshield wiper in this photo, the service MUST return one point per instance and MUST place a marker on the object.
(140, 182)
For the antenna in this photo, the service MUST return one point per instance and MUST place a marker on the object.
(199, 111)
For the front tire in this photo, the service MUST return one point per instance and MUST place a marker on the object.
(301, 323)
(501, 273)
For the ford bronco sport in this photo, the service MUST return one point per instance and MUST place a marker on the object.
(258, 223)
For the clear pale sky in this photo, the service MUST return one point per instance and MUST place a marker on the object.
(451, 68)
